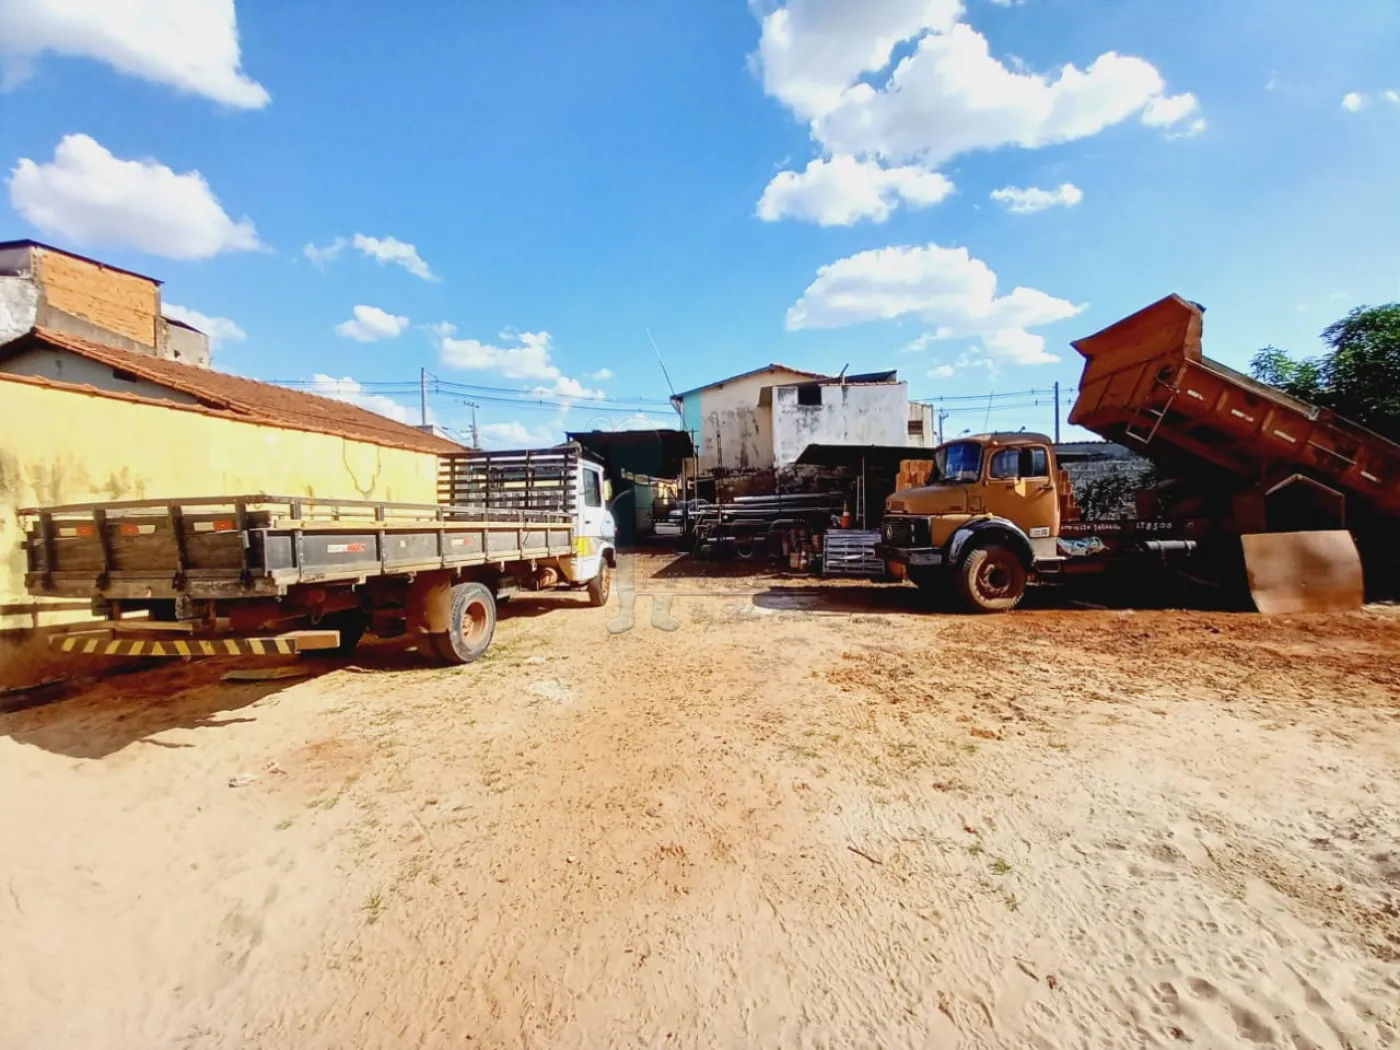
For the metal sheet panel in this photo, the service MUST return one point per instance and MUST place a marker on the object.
(1301, 572)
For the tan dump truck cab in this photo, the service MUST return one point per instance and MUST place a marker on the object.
(987, 522)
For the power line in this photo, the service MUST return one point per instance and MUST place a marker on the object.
(390, 388)
(981, 399)
(526, 399)
(449, 385)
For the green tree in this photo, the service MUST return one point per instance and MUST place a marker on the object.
(1362, 373)
(1359, 376)
(1300, 379)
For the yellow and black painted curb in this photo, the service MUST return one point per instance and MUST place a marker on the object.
(87, 645)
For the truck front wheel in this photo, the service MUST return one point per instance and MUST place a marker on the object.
(992, 579)
(470, 627)
(600, 587)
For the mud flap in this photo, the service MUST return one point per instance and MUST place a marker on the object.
(1298, 572)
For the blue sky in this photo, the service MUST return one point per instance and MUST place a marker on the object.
(570, 174)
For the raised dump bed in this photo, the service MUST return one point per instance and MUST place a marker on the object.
(1147, 385)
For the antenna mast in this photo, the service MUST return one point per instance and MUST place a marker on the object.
(670, 385)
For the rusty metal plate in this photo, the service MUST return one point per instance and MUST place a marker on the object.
(1299, 572)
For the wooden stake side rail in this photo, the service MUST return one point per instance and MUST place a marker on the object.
(530, 482)
(258, 546)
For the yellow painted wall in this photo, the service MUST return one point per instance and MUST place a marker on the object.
(63, 446)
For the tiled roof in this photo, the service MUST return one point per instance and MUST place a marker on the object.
(246, 399)
(752, 372)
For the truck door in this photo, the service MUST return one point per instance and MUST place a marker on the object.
(595, 525)
(1020, 489)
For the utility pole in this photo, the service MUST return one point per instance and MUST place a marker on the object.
(1057, 411)
(423, 395)
(942, 415)
(476, 434)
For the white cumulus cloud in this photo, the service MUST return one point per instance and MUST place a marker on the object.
(190, 45)
(832, 62)
(1166, 110)
(218, 329)
(529, 358)
(1355, 102)
(842, 191)
(601, 375)
(941, 372)
(1033, 199)
(393, 250)
(951, 96)
(946, 288)
(321, 256)
(352, 392)
(381, 249)
(811, 51)
(371, 324)
(90, 197)
(1393, 96)
(517, 435)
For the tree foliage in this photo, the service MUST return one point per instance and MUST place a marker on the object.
(1358, 377)
(1112, 494)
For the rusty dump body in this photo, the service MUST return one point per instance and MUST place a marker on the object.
(1290, 478)
(1147, 386)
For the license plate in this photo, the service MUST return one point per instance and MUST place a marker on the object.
(925, 558)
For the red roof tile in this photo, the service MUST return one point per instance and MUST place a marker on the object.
(247, 399)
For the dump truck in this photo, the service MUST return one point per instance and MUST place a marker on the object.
(1247, 475)
(263, 575)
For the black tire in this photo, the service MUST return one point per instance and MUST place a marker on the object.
(351, 625)
(991, 579)
(600, 587)
(435, 647)
(470, 626)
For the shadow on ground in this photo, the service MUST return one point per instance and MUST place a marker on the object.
(97, 712)
(689, 567)
(98, 708)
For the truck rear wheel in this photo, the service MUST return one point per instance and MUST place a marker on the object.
(600, 587)
(470, 627)
(992, 579)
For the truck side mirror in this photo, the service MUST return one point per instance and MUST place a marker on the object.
(607, 490)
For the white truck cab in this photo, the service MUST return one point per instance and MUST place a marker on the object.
(595, 533)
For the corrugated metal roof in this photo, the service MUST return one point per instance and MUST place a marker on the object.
(245, 399)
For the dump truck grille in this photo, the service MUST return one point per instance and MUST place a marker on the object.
(906, 532)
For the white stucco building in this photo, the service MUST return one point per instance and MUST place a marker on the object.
(756, 425)
(857, 411)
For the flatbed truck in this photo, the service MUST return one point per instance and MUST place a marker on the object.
(257, 574)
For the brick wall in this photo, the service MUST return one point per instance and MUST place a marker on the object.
(118, 302)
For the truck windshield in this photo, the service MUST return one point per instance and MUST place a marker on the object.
(960, 461)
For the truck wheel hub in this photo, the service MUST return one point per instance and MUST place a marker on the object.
(994, 580)
(474, 621)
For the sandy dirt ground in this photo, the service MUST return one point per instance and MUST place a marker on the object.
(806, 817)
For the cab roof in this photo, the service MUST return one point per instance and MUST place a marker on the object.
(1006, 437)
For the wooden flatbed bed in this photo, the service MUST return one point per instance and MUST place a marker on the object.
(262, 546)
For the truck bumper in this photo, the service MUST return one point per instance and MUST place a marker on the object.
(912, 557)
(100, 642)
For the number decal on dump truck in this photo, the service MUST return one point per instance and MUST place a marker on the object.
(345, 548)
